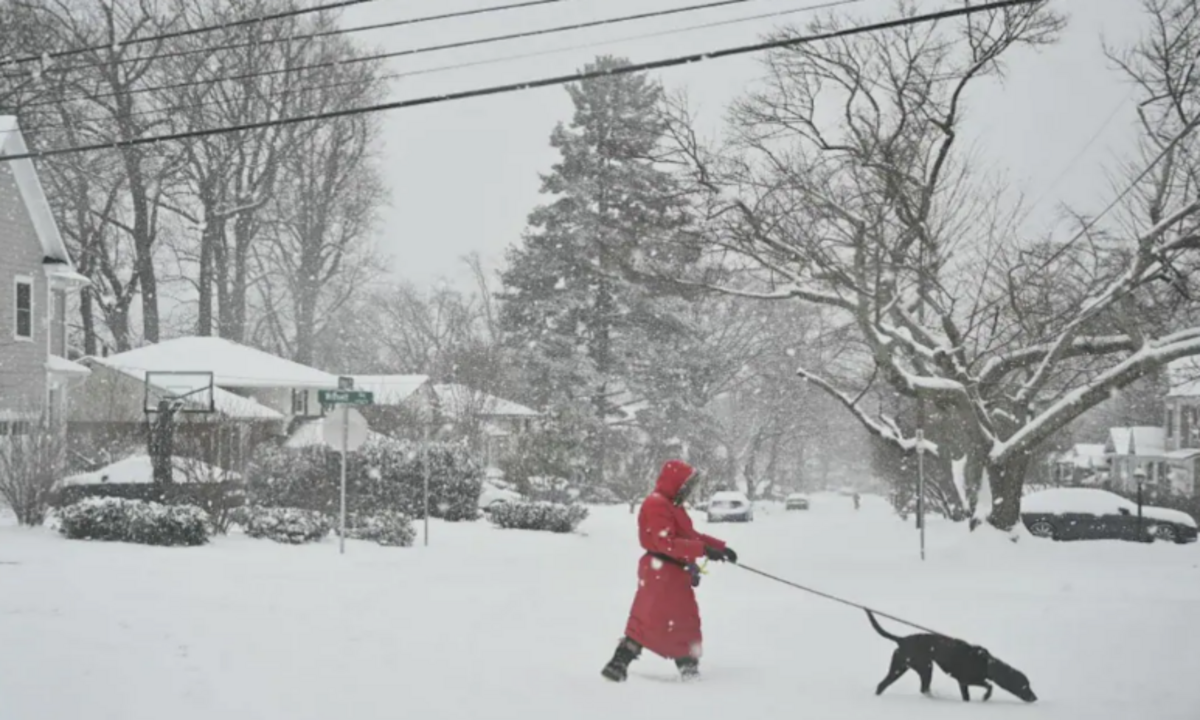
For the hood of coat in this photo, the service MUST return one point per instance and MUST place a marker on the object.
(675, 474)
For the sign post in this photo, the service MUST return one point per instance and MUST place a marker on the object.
(921, 487)
(345, 431)
(425, 481)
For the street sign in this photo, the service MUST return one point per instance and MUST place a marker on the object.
(346, 397)
(344, 424)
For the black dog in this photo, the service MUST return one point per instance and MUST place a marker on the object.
(969, 664)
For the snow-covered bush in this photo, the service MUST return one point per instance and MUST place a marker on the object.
(550, 517)
(385, 475)
(135, 521)
(285, 525)
(304, 478)
(388, 528)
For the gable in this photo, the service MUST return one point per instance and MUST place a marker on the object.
(33, 197)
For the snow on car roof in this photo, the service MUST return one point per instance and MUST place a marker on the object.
(1092, 501)
(729, 495)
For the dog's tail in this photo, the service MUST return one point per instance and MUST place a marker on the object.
(879, 628)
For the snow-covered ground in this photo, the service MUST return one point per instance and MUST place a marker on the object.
(490, 624)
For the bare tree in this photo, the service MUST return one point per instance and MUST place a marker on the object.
(85, 192)
(103, 87)
(867, 208)
(31, 464)
(231, 176)
(324, 211)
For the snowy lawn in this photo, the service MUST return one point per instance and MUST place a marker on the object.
(500, 624)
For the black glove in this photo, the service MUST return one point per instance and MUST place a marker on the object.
(694, 570)
(720, 555)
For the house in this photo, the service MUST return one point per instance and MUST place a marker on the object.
(1182, 427)
(1083, 464)
(1134, 451)
(286, 387)
(403, 405)
(37, 280)
(255, 396)
(493, 423)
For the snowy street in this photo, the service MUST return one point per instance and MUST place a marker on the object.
(499, 624)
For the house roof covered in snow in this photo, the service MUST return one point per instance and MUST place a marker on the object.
(226, 403)
(232, 364)
(1147, 440)
(54, 250)
(1086, 455)
(390, 389)
(459, 400)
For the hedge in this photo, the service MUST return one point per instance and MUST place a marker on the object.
(285, 525)
(384, 476)
(135, 521)
(549, 517)
(387, 528)
(217, 499)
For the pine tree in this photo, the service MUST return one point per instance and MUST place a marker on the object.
(566, 305)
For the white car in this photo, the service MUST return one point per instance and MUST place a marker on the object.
(494, 494)
(796, 501)
(729, 506)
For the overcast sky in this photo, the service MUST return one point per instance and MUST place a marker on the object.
(464, 175)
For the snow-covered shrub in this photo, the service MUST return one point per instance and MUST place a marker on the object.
(285, 525)
(304, 478)
(387, 527)
(550, 517)
(217, 499)
(135, 521)
(384, 475)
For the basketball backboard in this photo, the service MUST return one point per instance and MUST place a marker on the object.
(191, 391)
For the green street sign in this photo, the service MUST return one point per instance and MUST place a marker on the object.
(346, 397)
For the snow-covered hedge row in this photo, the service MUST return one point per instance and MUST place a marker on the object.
(388, 528)
(384, 476)
(550, 517)
(285, 525)
(135, 521)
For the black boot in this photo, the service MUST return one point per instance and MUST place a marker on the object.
(689, 667)
(617, 669)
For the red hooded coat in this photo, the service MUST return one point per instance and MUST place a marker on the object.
(665, 618)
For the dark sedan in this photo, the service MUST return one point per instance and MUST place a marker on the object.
(1091, 514)
(796, 501)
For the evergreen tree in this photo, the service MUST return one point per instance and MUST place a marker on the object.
(566, 305)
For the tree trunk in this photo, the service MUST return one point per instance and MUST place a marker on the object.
(213, 233)
(1007, 481)
(88, 321)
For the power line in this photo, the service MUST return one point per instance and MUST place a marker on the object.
(194, 31)
(316, 34)
(474, 63)
(542, 82)
(327, 64)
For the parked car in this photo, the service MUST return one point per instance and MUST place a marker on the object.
(496, 493)
(729, 505)
(796, 501)
(1093, 514)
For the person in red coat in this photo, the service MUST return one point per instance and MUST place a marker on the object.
(665, 618)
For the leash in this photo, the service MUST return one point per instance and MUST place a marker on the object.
(836, 599)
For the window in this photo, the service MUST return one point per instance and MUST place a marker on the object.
(1170, 421)
(300, 403)
(23, 308)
